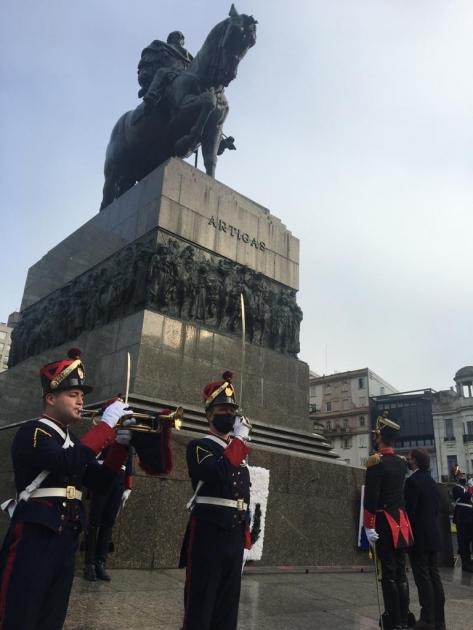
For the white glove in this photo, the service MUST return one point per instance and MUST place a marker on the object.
(123, 437)
(241, 428)
(372, 535)
(114, 412)
(125, 496)
(470, 482)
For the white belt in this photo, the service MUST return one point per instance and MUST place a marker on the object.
(70, 492)
(464, 505)
(239, 504)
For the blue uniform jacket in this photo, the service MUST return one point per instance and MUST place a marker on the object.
(223, 477)
(37, 447)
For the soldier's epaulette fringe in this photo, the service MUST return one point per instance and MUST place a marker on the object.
(373, 459)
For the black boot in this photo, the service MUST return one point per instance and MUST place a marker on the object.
(90, 547)
(103, 544)
(391, 602)
(403, 590)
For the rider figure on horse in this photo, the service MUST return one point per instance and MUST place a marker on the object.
(159, 64)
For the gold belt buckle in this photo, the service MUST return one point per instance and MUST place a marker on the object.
(240, 505)
(70, 492)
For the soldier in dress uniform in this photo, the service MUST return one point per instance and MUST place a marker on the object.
(386, 523)
(218, 529)
(463, 518)
(102, 514)
(51, 465)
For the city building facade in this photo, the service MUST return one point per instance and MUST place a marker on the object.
(340, 411)
(413, 411)
(5, 339)
(453, 424)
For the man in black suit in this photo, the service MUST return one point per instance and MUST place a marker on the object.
(422, 505)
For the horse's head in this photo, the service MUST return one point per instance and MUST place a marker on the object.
(239, 36)
(225, 46)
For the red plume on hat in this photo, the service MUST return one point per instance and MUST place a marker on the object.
(64, 374)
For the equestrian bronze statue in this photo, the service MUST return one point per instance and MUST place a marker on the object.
(184, 104)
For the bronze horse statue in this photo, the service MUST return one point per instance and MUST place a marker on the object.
(191, 111)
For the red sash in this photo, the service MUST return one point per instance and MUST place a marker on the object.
(400, 529)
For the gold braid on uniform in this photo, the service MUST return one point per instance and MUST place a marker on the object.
(373, 459)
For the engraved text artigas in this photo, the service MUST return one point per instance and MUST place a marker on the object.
(235, 232)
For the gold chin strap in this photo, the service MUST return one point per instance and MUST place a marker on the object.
(57, 380)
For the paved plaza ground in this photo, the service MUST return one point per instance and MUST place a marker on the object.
(282, 600)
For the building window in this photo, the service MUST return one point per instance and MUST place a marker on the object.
(328, 406)
(381, 391)
(346, 442)
(469, 427)
(362, 421)
(449, 429)
(451, 462)
(345, 423)
(361, 383)
(329, 425)
(362, 441)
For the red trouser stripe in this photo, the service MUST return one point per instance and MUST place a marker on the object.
(18, 532)
(188, 569)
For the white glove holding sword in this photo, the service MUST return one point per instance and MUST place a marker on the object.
(242, 428)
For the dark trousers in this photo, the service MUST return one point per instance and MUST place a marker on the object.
(213, 576)
(103, 508)
(37, 569)
(393, 580)
(464, 523)
(429, 585)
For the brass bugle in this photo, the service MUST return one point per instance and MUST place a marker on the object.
(146, 422)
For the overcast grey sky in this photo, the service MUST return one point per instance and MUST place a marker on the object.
(353, 122)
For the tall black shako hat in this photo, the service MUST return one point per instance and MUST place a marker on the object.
(64, 374)
(386, 428)
(220, 392)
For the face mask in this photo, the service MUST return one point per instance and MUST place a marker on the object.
(223, 422)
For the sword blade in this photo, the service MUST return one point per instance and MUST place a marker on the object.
(128, 376)
(14, 425)
(243, 337)
(376, 572)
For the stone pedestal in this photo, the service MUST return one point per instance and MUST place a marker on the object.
(159, 274)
